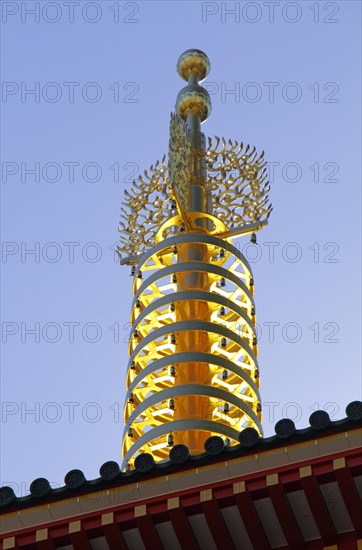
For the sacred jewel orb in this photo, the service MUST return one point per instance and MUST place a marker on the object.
(193, 62)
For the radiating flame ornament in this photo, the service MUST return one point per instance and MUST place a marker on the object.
(193, 370)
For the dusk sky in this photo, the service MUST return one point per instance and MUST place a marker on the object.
(87, 91)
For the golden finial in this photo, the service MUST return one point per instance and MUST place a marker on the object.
(193, 371)
(193, 66)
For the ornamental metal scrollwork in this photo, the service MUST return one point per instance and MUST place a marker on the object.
(144, 209)
(237, 181)
(237, 178)
(179, 164)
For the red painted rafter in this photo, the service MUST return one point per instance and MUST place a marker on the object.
(252, 521)
(286, 516)
(80, 541)
(351, 498)
(148, 532)
(319, 509)
(217, 525)
(114, 537)
(183, 529)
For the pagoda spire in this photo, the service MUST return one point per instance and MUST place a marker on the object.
(193, 371)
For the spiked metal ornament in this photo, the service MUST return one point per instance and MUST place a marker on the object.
(193, 370)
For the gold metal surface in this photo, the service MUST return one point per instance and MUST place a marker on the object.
(191, 406)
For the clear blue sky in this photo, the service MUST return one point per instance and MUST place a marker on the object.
(100, 113)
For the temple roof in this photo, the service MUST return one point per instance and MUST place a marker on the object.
(295, 489)
(75, 482)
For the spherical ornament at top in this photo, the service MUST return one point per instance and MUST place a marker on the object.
(193, 62)
(193, 99)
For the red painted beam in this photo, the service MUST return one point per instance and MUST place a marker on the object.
(354, 462)
(252, 521)
(113, 536)
(148, 533)
(183, 529)
(319, 509)
(45, 545)
(351, 498)
(21, 541)
(2, 544)
(286, 517)
(217, 525)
